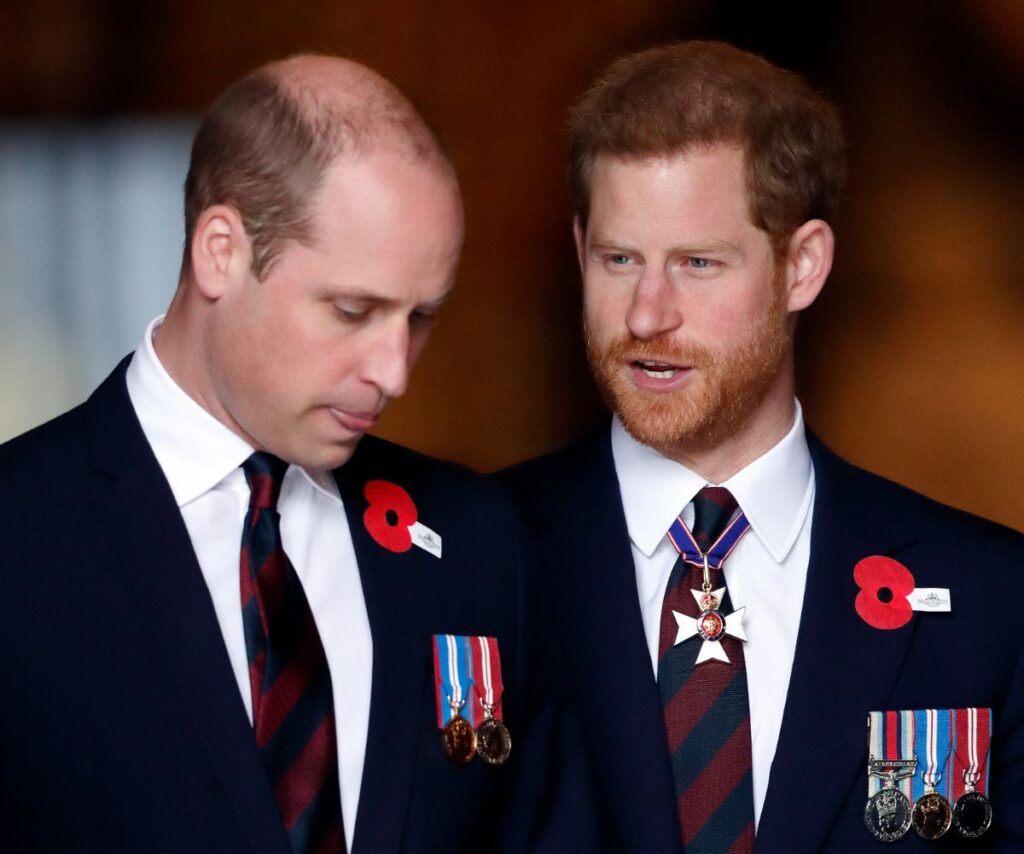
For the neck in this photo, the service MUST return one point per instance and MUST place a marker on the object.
(179, 343)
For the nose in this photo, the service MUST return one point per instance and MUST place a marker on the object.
(655, 306)
(387, 364)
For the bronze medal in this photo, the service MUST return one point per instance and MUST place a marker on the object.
(459, 741)
(887, 814)
(972, 815)
(931, 816)
(493, 742)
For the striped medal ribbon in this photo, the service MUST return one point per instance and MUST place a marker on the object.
(892, 763)
(493, 741)
(932, 815)
(684, 543)
(972, 814)
(453, 684)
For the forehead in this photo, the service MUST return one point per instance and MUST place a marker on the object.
(390, 220)
(382, 184)
(698, 187)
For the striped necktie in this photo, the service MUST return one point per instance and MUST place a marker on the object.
(292, 703)
(706, 710)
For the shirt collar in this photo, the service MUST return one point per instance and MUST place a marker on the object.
(774, 491)
(195, 450)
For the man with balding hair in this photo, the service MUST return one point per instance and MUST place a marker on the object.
(226, 611)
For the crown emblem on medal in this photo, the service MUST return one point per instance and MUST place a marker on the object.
(887, 803)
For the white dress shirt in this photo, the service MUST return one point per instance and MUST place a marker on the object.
(200, 458)
(766, 573)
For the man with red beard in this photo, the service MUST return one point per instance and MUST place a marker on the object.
(731, 600)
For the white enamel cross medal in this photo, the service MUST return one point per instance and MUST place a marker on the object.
(711, 624)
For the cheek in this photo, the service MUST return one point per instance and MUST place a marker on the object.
(604, 311)
(737, 318)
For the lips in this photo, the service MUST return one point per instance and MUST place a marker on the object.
(657, 370)
(656, 376)
(356, 422)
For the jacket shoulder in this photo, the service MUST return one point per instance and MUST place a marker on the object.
(45, 454)
(558, 475)
(948, 527)
(438, 481)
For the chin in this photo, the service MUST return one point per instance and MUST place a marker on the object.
(318, 456)
(337, 455)
(667, 430)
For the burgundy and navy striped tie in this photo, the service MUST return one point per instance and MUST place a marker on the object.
(292, 703)
(706, 710)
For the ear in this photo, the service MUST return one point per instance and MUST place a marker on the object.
(221, 251)
(808, 263)
(580, 239)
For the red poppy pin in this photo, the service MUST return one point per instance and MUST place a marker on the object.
(393, 521)
(884, 586)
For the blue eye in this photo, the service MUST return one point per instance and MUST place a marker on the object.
(701, 263)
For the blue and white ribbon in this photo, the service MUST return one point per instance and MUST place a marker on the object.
(681, 538)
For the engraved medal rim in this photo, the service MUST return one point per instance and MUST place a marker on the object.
(904, 826)
(504, 739)
(916, 824)
(973, 796)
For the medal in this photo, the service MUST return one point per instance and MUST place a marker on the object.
(712, 624)
(887, 814)
(892, 764)
(458, 738)
(493, 741)
(972, 814)
(932, 814)
(453, 681)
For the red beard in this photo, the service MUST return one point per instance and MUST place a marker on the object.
(723, 393)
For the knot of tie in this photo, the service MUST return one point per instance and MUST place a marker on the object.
(264, 473)
(713, 507)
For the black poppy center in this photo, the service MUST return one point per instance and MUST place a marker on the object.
(884, 595)
(391, 517)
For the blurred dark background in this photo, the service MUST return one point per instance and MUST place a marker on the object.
(912, 363)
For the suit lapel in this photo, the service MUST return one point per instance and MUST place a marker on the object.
(616, 691)
(843, 668)
(138, 510)
(399, 669)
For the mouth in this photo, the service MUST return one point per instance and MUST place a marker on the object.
(657, 377)
(356, 422)
(657, 370)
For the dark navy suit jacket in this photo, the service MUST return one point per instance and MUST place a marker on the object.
(843, 667)
(121, 723)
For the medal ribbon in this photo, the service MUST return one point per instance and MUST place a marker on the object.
(453, 677)
(683, 542)
(890, 737)
(487, 683)
(933, 743)
(972, 748)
